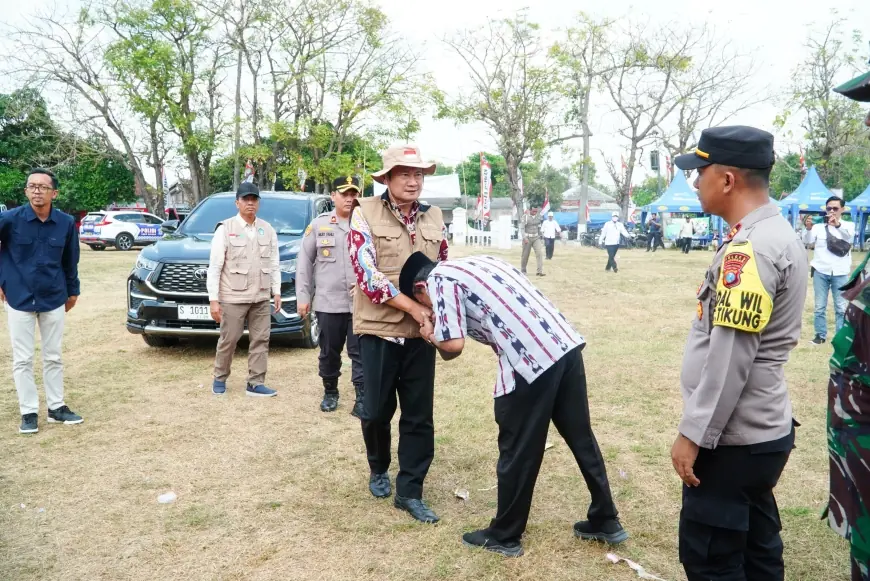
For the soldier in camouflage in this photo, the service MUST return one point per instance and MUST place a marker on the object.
(848, 509)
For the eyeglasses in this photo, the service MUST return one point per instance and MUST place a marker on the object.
(833, 208)
(39, 189)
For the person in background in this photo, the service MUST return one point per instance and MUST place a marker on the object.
(541, 379)
(39, 284)
(550, 230)
(532, 241)
(687, 231)
(737, 430)
(324, 270)
(397, 362)
(831, 264)
(611, 236)
(242, 273)
(654, 228)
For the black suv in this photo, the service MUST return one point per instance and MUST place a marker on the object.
(166, 292)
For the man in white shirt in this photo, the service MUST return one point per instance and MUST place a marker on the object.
(550, 230)
(610, 238)
(242, 274)
(687, 230)
(830, 265)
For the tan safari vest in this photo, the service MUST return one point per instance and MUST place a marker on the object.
(393, 247)
(247, 273)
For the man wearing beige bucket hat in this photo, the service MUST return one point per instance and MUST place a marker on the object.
(398, 364)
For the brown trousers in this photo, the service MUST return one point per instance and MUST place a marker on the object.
(232, 327)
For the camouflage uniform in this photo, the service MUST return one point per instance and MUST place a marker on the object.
(848, 509)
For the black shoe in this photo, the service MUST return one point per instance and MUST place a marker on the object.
(479, 539)
(818, 340)
(540, 274)
(63, 415)
(416, 508)
(379, 485)
(358, 404)
(608, 531)
(29, 424)
(330, 395)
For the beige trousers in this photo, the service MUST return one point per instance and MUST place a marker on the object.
(538, 246)
(233, 318)
(22, 331)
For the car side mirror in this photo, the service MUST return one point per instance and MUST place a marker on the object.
(169, 226)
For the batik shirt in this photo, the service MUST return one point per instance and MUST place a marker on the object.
(488, 300)
(363, 256)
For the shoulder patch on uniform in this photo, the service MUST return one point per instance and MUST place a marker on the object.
(742, 302)
(333, 220)
(308, 230)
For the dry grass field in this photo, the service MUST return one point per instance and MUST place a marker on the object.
(274, 489)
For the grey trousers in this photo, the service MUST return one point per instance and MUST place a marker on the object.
(233, 318)
(538, 246)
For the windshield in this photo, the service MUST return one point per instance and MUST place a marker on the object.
(288, 217)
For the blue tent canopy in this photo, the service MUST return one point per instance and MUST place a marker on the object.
(570, 219)
(679, 197)
(809, 197)
(862, 202)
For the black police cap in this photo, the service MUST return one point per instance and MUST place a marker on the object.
(247, 189)
(345, 183)
(735, 146)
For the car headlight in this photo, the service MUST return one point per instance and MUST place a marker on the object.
(288, 266)
(145, 263)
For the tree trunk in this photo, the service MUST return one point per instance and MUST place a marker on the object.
(584, 183)
(156, 206)
(237, 143)
(195, 176)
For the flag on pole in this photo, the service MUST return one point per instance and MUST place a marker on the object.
(249, 172)
(165, 182)
(803, 161)
(546, 207)
(485, 187)
(587, 211)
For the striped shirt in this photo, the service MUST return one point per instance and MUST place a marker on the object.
(490, 301)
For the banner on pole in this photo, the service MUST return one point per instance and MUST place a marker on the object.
(485, 187)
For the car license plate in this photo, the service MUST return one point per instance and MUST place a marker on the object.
(194, 313)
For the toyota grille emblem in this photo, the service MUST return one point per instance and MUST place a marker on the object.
(200, 273)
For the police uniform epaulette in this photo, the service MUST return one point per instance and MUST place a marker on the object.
(323, 214)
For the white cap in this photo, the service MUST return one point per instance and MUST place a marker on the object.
(615, 214)
(549, 213)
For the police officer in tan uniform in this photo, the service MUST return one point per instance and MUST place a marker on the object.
(324, 271)
(242, 274)
(737, 429)
(532, 240)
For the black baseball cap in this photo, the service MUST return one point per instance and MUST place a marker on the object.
(735, 146)
(345, 183)
(410, 269)
(247, 189)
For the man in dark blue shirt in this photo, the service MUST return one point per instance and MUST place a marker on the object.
(39, 282)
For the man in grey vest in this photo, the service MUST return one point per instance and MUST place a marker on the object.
(242, 273)
(324, 271)
(532, 240)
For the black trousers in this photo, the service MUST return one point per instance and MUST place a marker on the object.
(611, 256)
(686, 244)
(406, 371)
(729, 524)
(654, 241)
(549, 245)
(336, 329)
(523, 417)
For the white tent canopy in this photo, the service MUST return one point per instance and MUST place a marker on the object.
(434, 187)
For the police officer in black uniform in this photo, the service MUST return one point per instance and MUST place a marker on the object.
(324, 270)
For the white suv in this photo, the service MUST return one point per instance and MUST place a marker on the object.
(122, 229)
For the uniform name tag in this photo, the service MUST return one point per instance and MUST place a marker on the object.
(742, 302)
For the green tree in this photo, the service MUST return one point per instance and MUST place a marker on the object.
(646, 192)
(513, 92)
(538, 182)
